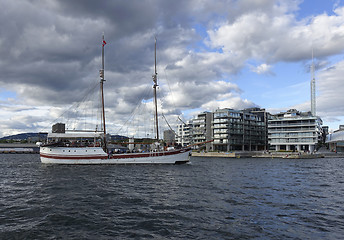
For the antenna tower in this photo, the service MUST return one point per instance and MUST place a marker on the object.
(313, 99)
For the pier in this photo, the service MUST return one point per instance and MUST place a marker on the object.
(16, 148)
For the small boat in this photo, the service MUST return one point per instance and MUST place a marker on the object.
(91, 147)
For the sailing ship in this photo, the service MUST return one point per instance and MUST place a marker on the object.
(64, 148)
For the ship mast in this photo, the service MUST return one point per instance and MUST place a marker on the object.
(155, 80)
(102, 80)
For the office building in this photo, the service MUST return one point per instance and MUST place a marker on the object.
(239, 130)
(184, 133)
(201, 130)
(294, 131)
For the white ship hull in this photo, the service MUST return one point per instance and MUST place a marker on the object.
(96, 155)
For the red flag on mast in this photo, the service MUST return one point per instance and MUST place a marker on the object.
(104, 43)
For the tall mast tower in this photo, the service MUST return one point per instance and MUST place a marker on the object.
(313, 99)
(102, 80)
(155, 81)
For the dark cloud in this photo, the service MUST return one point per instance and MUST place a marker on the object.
(50, 50)
(54, 47)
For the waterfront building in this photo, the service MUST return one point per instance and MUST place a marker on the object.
(201, 130)
(58, 128)
(294, 131)
(184, 133)
(325, 130)
(335, 140)
(169, 137)
(263, 116)
(239, 130)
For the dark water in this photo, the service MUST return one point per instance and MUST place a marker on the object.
(209, 199)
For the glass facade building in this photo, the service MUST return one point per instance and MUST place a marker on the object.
(239, 130)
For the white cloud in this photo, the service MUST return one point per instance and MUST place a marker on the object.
(52, 53)
(330, 86)
(273, 37)
(330, 97)
(262, 69)
(229, 101)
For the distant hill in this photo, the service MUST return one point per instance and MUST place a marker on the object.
(118, 138)
(25, 136)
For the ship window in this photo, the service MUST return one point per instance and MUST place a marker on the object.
(63, 150)
(50, 150)
(68, 150)
(86, 150)
(74, 150)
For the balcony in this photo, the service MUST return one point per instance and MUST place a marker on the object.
(220, 126)
(303, 124)
(309, 135)
(222, 141)
(293, 141)
(220, 121)
(291, 130)
(217, 131)
(221, 136)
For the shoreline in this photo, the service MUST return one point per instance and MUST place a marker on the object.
(262, 154)
(18, 148)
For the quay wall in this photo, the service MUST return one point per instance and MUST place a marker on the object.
(267, 155)
(213, 154)
(18, 148)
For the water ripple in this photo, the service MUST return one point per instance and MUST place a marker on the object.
(209, 199)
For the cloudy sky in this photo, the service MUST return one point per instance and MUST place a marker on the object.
(211, 54)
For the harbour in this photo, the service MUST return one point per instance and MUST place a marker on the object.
(20, 148)
(172, 120)
(211, 198)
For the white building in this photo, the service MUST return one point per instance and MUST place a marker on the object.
(202, 130)
(294, 131)
(184, 133)
(335, 140)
